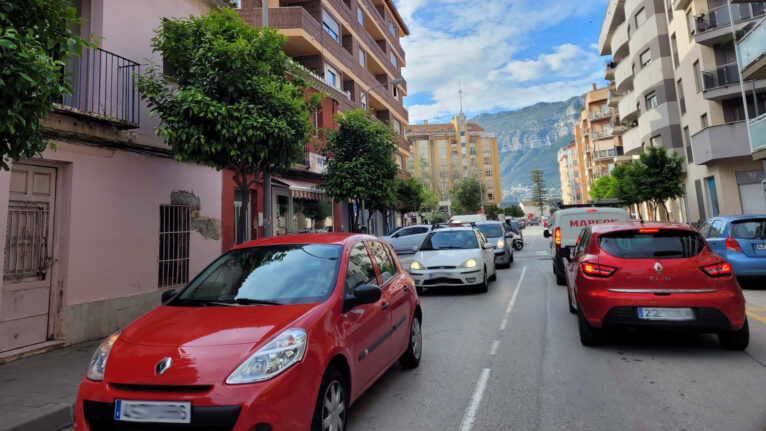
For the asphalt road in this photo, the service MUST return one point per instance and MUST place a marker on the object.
(495, 362)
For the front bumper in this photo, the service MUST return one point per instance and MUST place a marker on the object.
(502, 257)
(720, 310)
(448, 277)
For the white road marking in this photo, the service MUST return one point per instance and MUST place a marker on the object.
(473, 406)
(495, 345)
(507, 314)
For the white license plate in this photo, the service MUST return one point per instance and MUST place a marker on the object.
(433, 275)
(647, 313)
(173, 412)
(760, 246)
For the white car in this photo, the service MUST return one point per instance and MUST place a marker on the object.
(459, 256)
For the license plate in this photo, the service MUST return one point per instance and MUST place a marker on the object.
(760, 246)
(173, 412)
(665, 313)
(438, 275)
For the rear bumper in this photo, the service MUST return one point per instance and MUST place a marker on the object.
(717, 311)
(746, 266)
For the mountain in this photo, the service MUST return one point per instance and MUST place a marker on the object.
(529, 138)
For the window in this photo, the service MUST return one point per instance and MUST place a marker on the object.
(362, 57)
(655, 141)
(363, 100)
(359, 14)
(175, 229)
(395, 92)
(712, 196)
(703, 121)
(697, 76)
(705, 229)
(651, 101)
(331, 76)
(690, 23)
(384, 261)
(646, 58)
(668, 243)
(330, 25)
(392, 28)
(674, 47)
(715, 229)
(681, 99)
(394, 60)
(397, 126)
(640, 17)
(688, 143)
(248, 216)
(487, 173)
(359, 269)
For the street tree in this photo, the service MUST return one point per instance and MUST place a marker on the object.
(493, 211)
(410, 195)
(229, 102)
(539, 192)
(35, 43)
(360, 164)
(514, 211)
(657, 177)
(467, 196)
(430, 200)
(604, 188)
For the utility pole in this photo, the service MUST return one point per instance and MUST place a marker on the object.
(267, 212)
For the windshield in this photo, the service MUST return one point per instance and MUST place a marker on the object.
(450, 240)
(667, 244)
(750, 229)
(284, 274)
(491, 230)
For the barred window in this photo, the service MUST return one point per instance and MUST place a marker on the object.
(175, 229)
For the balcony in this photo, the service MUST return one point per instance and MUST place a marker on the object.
(103, 88)
(623, 76)
(752, 53)
(599, 156)
(720, 142)
(601, 114)
(758, 135)
(615, 15)
(631, 141)
(714, 26)
(601, 134)
(620, 43)
(609, 67)
(626, 108)
(680, 4)
(613, 97)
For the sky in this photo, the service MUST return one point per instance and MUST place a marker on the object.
(506, 54)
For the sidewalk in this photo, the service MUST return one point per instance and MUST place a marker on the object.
(38, 392)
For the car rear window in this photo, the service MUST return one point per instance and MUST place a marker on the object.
(749, 229)
(665, 244)
(491, 230)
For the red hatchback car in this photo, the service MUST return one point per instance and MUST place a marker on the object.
(276, 334)
(632, 274)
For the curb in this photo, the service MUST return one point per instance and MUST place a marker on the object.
(49, 417)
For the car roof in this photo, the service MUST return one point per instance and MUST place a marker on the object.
(337, 238)
(601, 228)
(453, 229)
(738, 217)
(487, 222)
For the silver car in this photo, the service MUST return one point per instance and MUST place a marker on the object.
(406, 240)
(498, 235)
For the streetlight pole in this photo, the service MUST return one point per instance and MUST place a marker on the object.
(267, 212)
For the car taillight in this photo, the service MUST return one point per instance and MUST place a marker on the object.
(595, 270)
(733, 245)
(557, 237)
(717, 270)
(648, 230)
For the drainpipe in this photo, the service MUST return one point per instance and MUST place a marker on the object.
(267, 212)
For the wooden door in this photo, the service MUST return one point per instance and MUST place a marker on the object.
(26, 291)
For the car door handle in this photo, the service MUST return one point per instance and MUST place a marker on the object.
(384, 306)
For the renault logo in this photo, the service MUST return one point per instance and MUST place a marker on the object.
(658, 268)
(163, 366)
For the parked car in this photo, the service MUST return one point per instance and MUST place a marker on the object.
(664, 275)
(270, 325)
(566, 226)
(406, 239)
(502, 238)
(459, 256)
(534, 221)
(741, 240)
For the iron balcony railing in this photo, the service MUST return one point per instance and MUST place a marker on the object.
(720, 76)
(602, 113)
(103, 86)
(601, 134)
(719, 17)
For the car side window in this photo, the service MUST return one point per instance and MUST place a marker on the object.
(715, 229)
(404, 232)
(384, 261)
(580, 240)
(417, 230)
(705, 229)
(585, 240)
(359, 269)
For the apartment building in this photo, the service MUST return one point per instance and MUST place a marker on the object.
(95, 230)
(443, 154)
(599, 144)
(569, 173)
(677, 83)
(352, 48)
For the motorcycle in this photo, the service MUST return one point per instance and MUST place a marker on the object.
(517, 242)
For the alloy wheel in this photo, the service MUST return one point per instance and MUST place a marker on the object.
(416, 338)
(334, 407)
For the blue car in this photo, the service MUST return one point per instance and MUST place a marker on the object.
(741, 240)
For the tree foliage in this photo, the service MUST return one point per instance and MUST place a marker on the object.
(493, 211)
(467, 196)
(657, 177)
(360, 165)
(35, 42)
(604, 188)
(539, 192)
(229, 103)
(514, 211)
(410, 195)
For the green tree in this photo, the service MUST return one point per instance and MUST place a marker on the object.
(604, 188)
(539, 192)
(35, 43)
(514, 211)
(360, 164)
(410, 195)
(229, 103)
(467, 196)
(657, 177)
(430, 200)
(624, 183)
(493, 211)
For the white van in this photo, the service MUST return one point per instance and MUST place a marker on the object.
(566, 226)
(468, 218)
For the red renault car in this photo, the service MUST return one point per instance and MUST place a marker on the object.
(631, 274)
(276, 334)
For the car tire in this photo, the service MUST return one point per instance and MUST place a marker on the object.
(335, 387)
(493, 277)
(569, 302)
(484, 286)
(510, 259)
(735, 340)
(411, 358)
(419, 290)
(589, 336)
(561, 280)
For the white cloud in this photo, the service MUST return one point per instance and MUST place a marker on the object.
(476, 44)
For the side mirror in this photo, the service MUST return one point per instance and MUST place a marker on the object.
(168, 295)
(363, 294)
(566, 253)
(547, 233)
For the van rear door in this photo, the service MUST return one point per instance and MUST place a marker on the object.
(572, 221)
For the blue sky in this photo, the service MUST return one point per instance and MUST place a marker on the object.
(506, 53)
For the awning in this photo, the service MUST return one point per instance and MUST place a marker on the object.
(302, 189)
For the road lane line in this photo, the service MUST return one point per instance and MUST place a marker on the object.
(473, 406)
(495, 345)
(507, 314)
(756, 317)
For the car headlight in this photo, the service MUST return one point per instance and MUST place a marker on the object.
(417, 266)
(274, 358)
(98, 360)
(500, 243)
(470, 263)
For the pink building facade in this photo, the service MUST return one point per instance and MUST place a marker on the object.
(94, 231)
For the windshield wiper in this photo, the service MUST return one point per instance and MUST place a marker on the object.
(244, 301)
